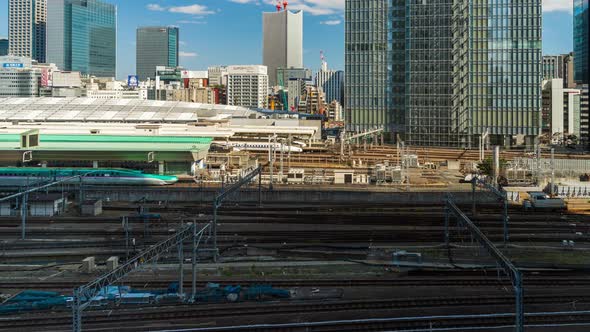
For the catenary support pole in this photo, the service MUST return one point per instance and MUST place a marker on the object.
(194, 262)
(552, 172)
(24, 212)
(260, 189)
(181, 270)
(216, 204)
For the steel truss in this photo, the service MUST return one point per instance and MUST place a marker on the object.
(83, 295)
(25, 198)
(511, 271)
(502, 195)
(218, 201)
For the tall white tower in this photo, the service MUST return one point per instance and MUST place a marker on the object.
(282, 41)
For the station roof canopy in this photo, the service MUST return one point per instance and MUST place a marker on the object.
(114, 110)
(103, 147)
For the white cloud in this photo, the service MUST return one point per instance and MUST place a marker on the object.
(187, 54)
(557, 5)
(191, 9)
(331, 22)
(155, 7)
(246, 1)
(191, 22)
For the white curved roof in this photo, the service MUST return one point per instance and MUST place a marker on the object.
(113, 110)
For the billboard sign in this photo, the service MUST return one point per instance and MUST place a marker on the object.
(45, 77)
(13, 65)
(132, 81)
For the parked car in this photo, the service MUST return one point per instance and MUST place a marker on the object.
(542, 201)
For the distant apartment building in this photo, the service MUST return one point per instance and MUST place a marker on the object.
(247, 86)
(294, 81)
(560, 66)
(217, 75)
(313, 101)
(82, 36)
(27, 21)
(156, 46)
(584, 114)
(282, 34)
(442, 72)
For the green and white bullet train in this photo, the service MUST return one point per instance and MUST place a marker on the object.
(16, 176)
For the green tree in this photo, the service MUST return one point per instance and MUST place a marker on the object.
(487, 166)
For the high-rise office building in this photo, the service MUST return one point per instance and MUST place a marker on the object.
(559, 66)
(331, 82)
(82, 36)
(26, 28)
(3, 47)
(442, 72)
(282, 42)
(581, 43)
(156, 46)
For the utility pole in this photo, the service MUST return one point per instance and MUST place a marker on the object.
(281, 170)
(552, 171)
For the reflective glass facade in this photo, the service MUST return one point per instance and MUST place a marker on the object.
(156, 46)
(82, 36)
(368, 64)
(581, 44)
(441, 72)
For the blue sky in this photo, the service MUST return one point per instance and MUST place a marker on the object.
(216, 32)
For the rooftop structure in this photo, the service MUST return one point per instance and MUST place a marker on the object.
(105, 110)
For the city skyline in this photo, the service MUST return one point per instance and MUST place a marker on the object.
(208, 26)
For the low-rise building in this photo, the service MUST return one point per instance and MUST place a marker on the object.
(22, 76)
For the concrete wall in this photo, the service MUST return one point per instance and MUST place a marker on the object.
(287, 196)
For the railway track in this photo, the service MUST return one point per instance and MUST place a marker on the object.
(163, 282)
(146, 316)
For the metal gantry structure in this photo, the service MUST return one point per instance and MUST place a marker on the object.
(84, 295)
(218, 201)
(511, 271)
(501, 194)
(25, 197)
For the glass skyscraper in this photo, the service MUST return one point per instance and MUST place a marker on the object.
(581, 44)
(156, 46)
(442, 72)
(82, 36)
